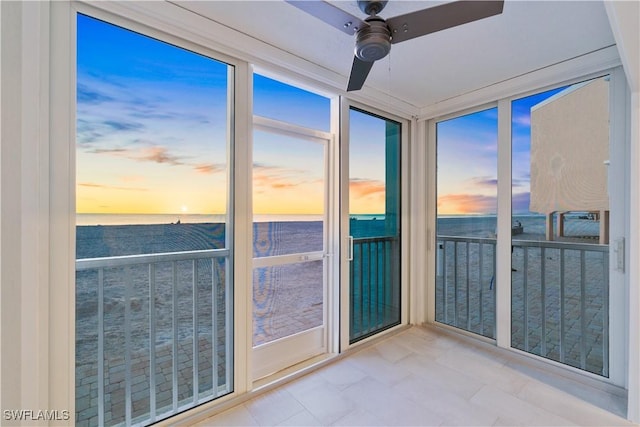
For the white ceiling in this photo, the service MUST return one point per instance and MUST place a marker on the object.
(527, 36)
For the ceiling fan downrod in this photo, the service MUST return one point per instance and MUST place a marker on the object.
(372, 7)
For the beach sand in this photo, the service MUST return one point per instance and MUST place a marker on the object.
(289, 298)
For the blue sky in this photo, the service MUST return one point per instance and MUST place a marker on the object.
(467, 159)
(152, 131)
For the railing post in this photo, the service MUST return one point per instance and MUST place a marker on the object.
(525, 299)
(194, 299)
(174, 309)
(481, 286)
(455, 283)
(543, 297)
(101, 396)
(468, 279)
(152, 341)
(583, 312)
(445, 294)
(127, 345)
(562, 313)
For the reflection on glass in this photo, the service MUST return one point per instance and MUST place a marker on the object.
(374, 213)
(466, 221)
(289, 204)
(288, 195)
(153, 313)
(560, 204)
(287, 299)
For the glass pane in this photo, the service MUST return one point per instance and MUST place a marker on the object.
(289, 188)
(287, 299)
(560, 252)
(153, 312)
(466, 207)
(288, 195)
(286, 103)
(374, 223)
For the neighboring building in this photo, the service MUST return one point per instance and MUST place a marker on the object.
(569, 162)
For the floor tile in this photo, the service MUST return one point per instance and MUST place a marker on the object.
(325, 403)
(426, 377)
(360, 417)
(568, 406)
(454, 409)
(393, 409)
(515, 411)
(484, 368)
(442, 376)
(236, 416)
(302, 419)
(342, 374)
(374, 365)
(273, 407)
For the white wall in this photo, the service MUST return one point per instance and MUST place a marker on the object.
(36, 369)
(624, 17)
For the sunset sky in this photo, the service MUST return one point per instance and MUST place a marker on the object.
(152, 132)
(467, 153)
(152, 138)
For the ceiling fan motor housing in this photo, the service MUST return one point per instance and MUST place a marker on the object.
(373, 42)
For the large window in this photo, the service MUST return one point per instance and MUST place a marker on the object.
(560, 202)
(466, 221)
(153, 278)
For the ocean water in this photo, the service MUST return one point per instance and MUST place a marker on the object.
(183, 218)
(104, 235)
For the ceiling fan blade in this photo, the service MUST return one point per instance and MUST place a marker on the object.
(359, 72)
(437, 18)
(330, 14)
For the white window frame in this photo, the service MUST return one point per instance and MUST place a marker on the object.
(618, 327)
(62, 185)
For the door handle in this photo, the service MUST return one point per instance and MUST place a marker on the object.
(350, 248)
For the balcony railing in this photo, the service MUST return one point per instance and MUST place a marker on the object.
(154, 335)
(375, 290)
(559, 296)
(560, 303)
(465, 283)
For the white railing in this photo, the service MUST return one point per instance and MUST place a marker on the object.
(560, 296)
(465, 283)
(146, 370)
(560, 302)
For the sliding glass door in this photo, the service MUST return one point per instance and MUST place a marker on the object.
(374, 203)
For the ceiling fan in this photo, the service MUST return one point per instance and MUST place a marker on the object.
(375, 35)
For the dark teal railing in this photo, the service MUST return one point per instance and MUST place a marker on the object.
(375, 286)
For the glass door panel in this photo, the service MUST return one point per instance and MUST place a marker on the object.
(466, 221)
(289, 232)
(374, 224)
(560, 253)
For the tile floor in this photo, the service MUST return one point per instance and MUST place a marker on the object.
(427, 377)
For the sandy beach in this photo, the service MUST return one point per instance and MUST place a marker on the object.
(289, 298)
